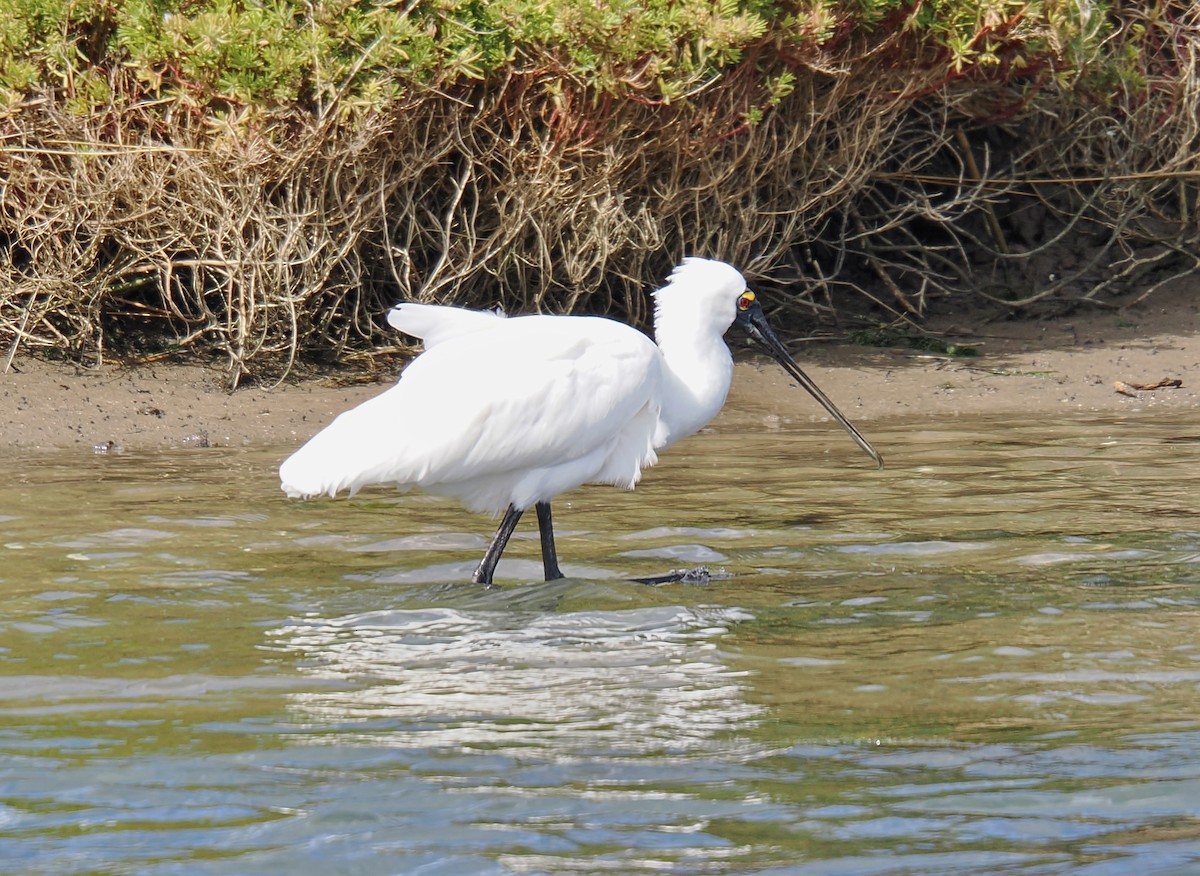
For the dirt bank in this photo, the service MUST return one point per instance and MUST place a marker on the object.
(1061, 366)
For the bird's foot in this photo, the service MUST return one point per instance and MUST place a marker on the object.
(699, 576)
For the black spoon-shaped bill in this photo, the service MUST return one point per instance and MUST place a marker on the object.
(753, 321)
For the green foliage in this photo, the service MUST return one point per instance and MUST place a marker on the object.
(51, 42)
(273, 54)
(979, 32)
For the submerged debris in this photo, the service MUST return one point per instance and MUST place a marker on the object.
(699, 576)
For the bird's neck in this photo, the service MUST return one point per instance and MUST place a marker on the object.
(699, 370)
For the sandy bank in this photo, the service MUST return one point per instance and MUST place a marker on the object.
(1058, 367)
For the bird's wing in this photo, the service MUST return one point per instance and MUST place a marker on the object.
(434, 323)
(529, 392)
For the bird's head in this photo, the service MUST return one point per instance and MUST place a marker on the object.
(701, 291)
(715, 296)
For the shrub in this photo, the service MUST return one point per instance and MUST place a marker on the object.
(264, 178)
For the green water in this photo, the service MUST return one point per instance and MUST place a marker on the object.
(982, 659)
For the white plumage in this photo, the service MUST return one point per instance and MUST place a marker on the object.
(513, 413)
(506, 413)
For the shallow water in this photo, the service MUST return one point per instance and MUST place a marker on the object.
(982, 659)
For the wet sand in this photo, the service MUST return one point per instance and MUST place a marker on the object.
(1053, 367)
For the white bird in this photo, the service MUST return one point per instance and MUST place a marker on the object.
(507, 413)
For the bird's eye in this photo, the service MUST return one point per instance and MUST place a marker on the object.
(746, 299)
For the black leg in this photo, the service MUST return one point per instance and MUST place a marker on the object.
(487, 566)
(549, 554)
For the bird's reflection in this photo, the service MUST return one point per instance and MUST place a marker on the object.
(637, 681)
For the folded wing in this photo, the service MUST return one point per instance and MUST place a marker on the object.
(497, 411)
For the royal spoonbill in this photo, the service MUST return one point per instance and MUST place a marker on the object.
(506, 413)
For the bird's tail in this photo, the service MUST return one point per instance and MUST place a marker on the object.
(351, 452)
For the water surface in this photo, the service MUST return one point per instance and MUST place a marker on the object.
(982, 659)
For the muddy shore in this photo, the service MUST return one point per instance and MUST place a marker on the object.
(1086, 363)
